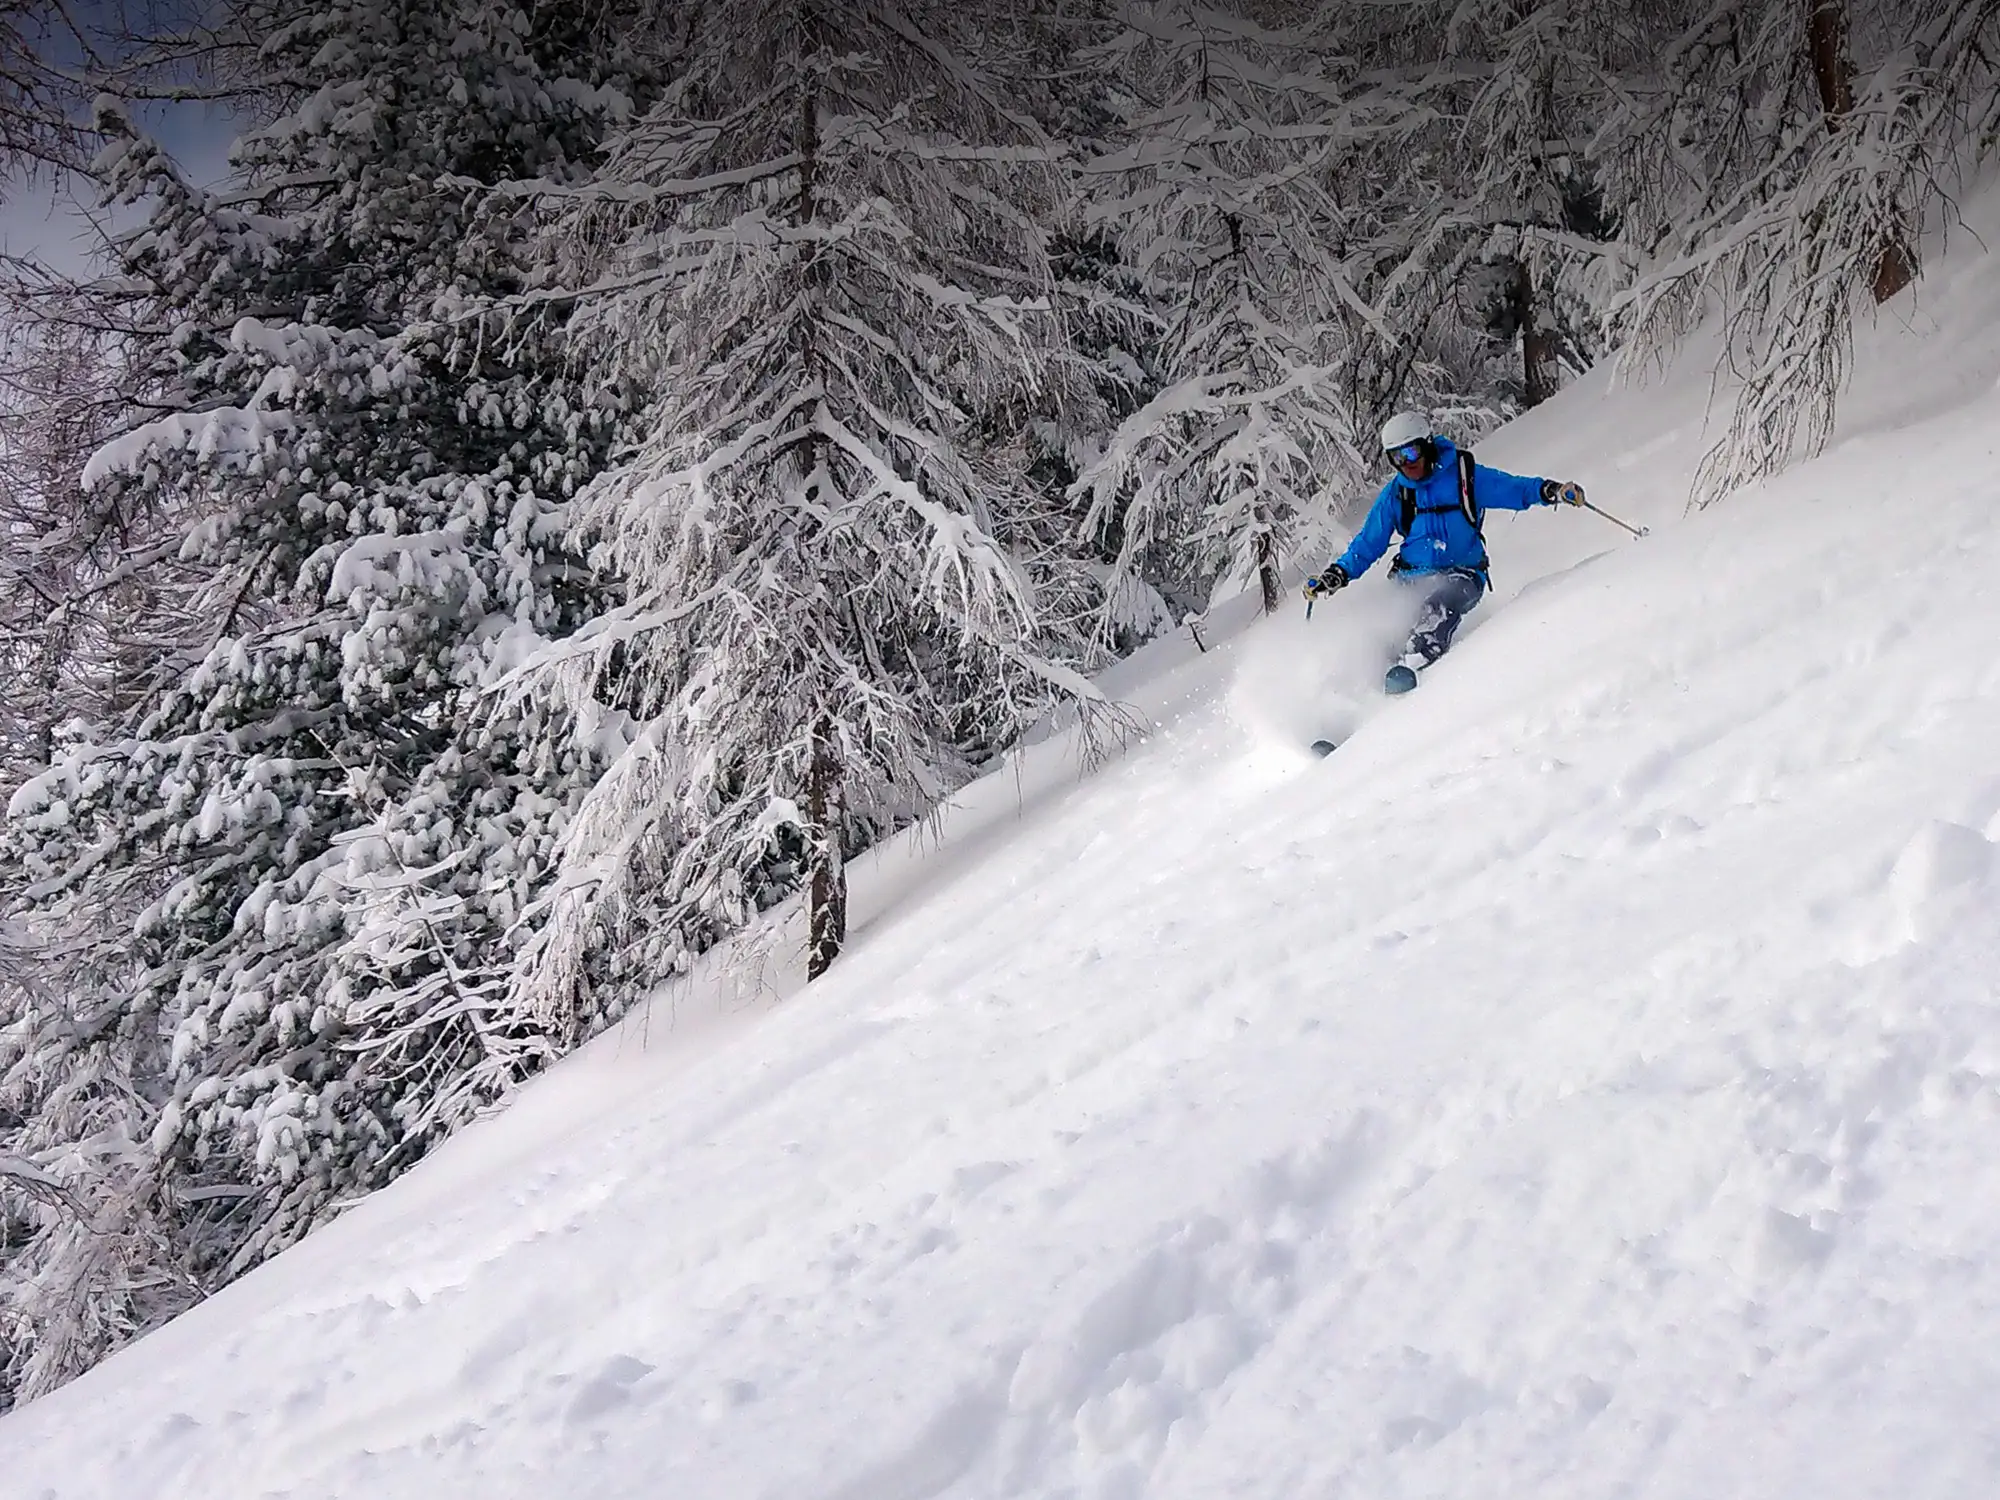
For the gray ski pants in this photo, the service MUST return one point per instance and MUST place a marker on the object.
(1448, 598)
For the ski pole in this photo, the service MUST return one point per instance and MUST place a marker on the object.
(1635, 530)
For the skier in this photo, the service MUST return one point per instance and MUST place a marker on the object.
(1438, 504)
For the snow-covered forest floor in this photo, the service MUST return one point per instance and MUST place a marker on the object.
(1585, 1083)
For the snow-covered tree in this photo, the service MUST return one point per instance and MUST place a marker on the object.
(1225, 189)
(1338, 208)
(88, 1255)
(296, 865)
(1779, 165)
(822, 266)
(1515, 88)
(92, 1248)
(55, 541)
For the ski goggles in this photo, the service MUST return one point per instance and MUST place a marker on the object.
(1409, 453)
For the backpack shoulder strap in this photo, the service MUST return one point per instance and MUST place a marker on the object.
(1468, 502)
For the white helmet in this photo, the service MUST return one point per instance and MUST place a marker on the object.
(1405, 427)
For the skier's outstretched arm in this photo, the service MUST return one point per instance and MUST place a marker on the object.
(1372, 540)
(1499, 490)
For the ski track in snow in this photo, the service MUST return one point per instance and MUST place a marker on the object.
(1585, 1083)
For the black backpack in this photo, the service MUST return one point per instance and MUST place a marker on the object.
(1468, 504)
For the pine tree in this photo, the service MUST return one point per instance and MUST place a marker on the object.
(1225, 189)
(89, 596)
(821, 263)
(1107, 362)
(328, 846)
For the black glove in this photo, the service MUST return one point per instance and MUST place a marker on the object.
(1565, 493)
(1335, 577)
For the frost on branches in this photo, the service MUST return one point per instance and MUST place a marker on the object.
(294, 872)
(1778, 166)
(1500, 114)
(822, 261)
(1222, 191)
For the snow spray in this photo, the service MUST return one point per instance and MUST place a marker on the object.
(1298, 680)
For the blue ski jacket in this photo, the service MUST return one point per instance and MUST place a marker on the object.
(1440, 536)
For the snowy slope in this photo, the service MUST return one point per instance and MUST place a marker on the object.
(1585, 1083)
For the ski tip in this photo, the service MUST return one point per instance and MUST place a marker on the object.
(1324, 748)
(1400, 679)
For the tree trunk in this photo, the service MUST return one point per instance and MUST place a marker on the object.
(1541, 350)
(808, 133)
(1826, 40)
(827, 882)
(1267, 561)
(1833, 71)
(826, 878)
(48, 703)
